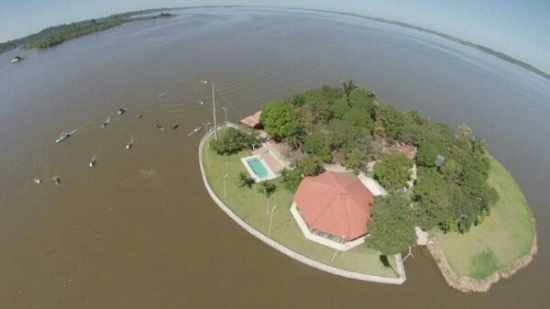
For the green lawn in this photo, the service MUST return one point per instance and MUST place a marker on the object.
(506, 235)
(251, 206)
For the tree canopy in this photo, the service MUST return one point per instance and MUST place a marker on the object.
(346, 125)
(391, 229)
(232, 141)
(279, 119)
(392, 172)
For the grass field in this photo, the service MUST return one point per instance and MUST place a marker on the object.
(253, 208)
(506, 235)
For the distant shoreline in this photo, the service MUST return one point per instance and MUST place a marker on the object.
(56, 35)
(9, 45)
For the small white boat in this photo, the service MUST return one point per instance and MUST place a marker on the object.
(128, 146)
(16, 59)
(121, 111)
(197, 129)
(201, 102)
(62, 136)
(92, 163)
(37, 180)
(162, 95)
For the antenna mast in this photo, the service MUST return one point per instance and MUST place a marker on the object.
(214, 112)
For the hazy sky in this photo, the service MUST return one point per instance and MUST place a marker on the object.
(520, 29)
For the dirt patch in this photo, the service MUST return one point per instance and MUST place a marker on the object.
(467, 284)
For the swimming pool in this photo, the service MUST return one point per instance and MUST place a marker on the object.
(258, 168)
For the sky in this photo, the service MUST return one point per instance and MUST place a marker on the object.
(520, 29)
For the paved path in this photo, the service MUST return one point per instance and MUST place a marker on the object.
(288, 252)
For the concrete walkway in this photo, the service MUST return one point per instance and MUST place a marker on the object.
(288, 252)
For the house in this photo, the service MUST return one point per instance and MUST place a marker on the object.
(333, 209)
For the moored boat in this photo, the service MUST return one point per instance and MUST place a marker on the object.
(62, 136)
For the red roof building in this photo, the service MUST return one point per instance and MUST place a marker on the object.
(334, 206)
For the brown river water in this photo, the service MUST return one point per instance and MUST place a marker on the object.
(139, 230)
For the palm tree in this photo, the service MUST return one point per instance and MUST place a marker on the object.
(478, 145)
(464, 129)
(267, 188)
(348, 87)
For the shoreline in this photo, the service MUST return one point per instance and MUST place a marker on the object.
(467, 284)
(288, 252)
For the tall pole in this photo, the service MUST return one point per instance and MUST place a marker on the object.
(214, 112)
(207, 161)
(224, 189)
(225, 112)
(271, 218)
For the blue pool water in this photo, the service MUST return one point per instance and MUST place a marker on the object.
(257, 167)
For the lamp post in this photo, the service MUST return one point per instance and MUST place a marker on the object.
(213, 109)
(338, 250)
(224, 189)
(271, 218)
(225, 112)
(207, 161)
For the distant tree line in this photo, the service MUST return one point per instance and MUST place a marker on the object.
(56, 35)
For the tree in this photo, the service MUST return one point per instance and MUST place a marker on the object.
(359, 117)
(363, 98)
(391, 228)
(393, 171)
(245, 180)
(267, 188)
(428, 151)
(316, 144)
(291, 179)
(452, 172)
(348, 87)
(232, 141)
(390, 120)
(311, 165)
(355, 158)
(279, 119)
(464, 129)
(312, 113)
(478, 145)
(340, 108)
(433, 197)
(294, 135)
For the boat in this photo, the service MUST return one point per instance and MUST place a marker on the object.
(197, 129)
(92, 163)
(121, 111)
(62, 136)
(16, 59)
(128, 146)
(162, 95)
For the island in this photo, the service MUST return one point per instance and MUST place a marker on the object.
(56, 35)
(344, 183)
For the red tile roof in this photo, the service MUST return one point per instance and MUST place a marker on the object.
(335, 204)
